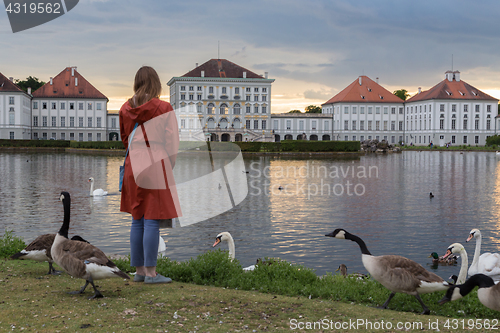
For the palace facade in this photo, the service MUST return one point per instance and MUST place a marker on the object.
(222, 101)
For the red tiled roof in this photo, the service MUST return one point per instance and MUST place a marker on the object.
(63, 86)
(222, 68)
(368, 91)
(451, 90)
(8, 85)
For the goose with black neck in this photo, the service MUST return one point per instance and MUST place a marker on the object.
(396, 273)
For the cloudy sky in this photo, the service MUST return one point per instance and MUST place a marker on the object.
(313, 49)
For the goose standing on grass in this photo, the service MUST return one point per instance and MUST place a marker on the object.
(459, 248)
(488, 293)
(39, 250)
(96, 193)
(226, 237)
(486, 263)
(80, 259)
(396, 273)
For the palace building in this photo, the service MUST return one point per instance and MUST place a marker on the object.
(68, 107)
(452, 111)
(222, 101)
(365, 110)
(15, 110)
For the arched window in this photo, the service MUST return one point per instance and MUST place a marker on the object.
(237, 123)
(210, 123)
(223, 108)
(210, 108)
(237, 109)
(223, 123)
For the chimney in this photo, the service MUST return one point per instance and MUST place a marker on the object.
(11, 79)
(29, 90)
(76, 82)
(244, 75)
(266, 74)
(196, 65)
(50, 81)
(419, 90)
(360, 80)
(202, 73)
(376, 80)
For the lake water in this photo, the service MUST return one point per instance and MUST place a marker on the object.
(384, 199)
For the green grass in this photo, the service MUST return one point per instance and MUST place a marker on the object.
(210, 293)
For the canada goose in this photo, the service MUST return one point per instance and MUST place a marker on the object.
(486, 263)
(431, 195)
(80, 259)
(436, 259)
(396, 273)
(343, 271)
(226, 236)
(488, 293)
(39, 250)
(459, 248)
(453, 278)
(96, 193)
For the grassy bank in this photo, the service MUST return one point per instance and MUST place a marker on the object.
(210, 294)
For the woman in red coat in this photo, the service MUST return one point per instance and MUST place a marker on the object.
(148, 190)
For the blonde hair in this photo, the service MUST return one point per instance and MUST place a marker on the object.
(147, 86)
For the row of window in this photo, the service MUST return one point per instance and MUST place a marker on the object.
(224, 109)
(465, 123)
(62, 106)
(62, 121)
(422, 139)
(248, 98)
(224, 89)
(301, 127)
(354, 126)
(62, 136)
(354, 110)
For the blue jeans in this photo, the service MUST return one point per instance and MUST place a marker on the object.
(144, 239)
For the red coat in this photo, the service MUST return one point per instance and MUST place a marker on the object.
(161, 138)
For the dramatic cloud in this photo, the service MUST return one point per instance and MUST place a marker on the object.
(311, 48)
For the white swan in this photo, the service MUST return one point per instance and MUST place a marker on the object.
(396, 273)
(486, 263)
(96, 193)
(226, 236)
(459, 248)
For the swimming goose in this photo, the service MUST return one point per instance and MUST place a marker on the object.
(226, 236)
(459, 248)
(396, 273)
(80, 259)
(39, 250)
(486, 263)
(96, 193)
(488, 293)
